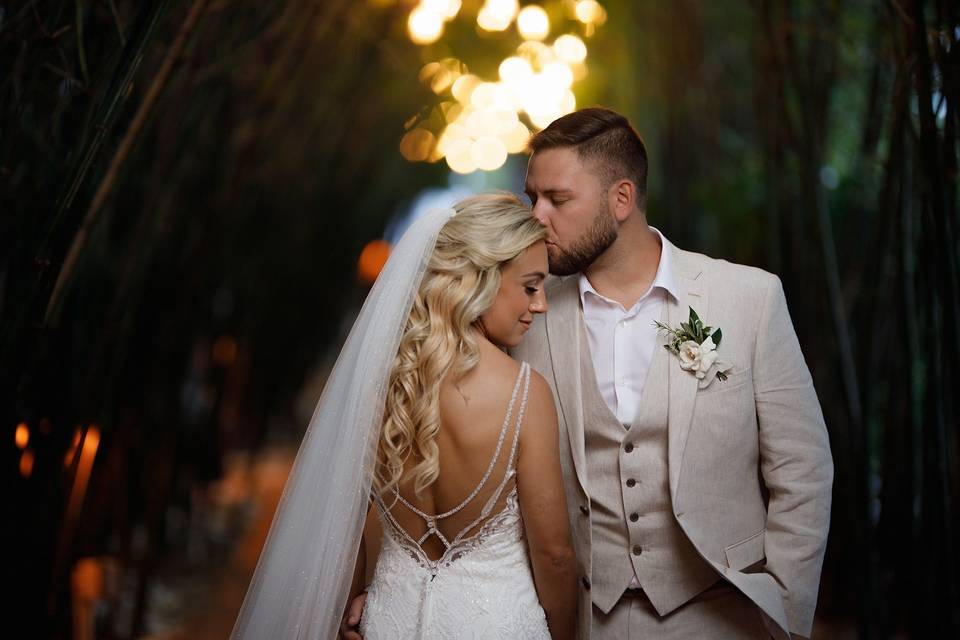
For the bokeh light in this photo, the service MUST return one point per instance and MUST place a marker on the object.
(224, 351)
(372, 259)
(497, 15)
(488, 153)
(439, 76)
(477, 123)
(515, 70)
(533, 22)
(72, 452)
(22, 435)
(425, 27)
(417, 145)
(590, 12)
(26, 463)
(570, 49)
(446, 9)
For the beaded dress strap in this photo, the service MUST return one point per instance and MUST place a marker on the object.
(521, 377)
(431, 520)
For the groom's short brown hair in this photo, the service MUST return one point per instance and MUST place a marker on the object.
(605, 137)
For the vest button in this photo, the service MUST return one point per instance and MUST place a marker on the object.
(584, 510)
(586, 583)
(634, 517)
(637, 550)
(631, 482)
(629, 447)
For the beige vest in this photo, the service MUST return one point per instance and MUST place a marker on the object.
(633, 526)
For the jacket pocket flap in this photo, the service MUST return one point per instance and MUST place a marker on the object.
(746, 552)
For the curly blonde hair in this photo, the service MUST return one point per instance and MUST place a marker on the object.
(461, 282)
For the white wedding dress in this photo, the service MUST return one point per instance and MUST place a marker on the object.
(481, 587)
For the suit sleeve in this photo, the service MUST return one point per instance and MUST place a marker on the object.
(795, 461)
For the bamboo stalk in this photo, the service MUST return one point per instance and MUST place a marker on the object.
(16, 336)
(120, 156)
(940, 309)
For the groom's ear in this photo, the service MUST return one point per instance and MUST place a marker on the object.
(623, 194)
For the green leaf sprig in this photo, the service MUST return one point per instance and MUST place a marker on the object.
(693, 329)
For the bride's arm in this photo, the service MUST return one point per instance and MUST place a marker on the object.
(544, 511)
(350, 623)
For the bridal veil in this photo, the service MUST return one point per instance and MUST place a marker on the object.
(300, 585)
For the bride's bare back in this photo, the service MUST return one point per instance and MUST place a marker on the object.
(472, 417)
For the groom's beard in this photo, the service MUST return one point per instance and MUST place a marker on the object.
(586, 249)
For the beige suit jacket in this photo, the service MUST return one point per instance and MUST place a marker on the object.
(750, 470)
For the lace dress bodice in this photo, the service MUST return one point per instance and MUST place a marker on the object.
(481, 586)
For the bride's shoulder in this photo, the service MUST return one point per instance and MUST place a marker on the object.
(484, 387)
(494, 363)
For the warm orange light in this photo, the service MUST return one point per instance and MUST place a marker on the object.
(72, 452)
(22, 435)
(372, 259)
(26, 463)
(224, 351)
(87, 453)
(417, 145)
(91, 442)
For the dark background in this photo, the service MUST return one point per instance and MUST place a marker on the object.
(185, 189)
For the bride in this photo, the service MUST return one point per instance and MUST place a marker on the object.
(447, 444)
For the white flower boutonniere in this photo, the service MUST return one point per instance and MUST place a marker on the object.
(695, 344)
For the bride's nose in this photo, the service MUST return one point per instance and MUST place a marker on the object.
(538, 304)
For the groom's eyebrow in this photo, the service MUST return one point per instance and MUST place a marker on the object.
(549, 192)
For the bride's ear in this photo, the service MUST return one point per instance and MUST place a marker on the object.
(478, 323)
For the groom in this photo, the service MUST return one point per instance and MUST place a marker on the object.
(699, 503)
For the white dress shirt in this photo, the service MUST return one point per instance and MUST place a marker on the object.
(622, 341)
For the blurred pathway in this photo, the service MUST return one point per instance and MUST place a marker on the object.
(213, 601)
(205, 607)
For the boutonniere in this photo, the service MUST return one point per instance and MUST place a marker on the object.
(695, 344)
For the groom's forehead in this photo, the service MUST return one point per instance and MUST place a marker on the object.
(550, 171)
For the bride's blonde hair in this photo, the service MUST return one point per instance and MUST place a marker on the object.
(461, 282)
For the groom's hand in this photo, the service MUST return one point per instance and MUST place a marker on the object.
(351, 621)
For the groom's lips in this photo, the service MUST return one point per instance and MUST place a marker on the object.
(526, 323)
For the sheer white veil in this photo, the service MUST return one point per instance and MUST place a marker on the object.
(299, 589)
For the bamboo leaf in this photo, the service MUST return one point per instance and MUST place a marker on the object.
(81, 52)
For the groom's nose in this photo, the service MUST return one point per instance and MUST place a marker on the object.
(540, 212)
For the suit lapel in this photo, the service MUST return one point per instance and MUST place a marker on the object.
(682, 384)
(563, 338)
